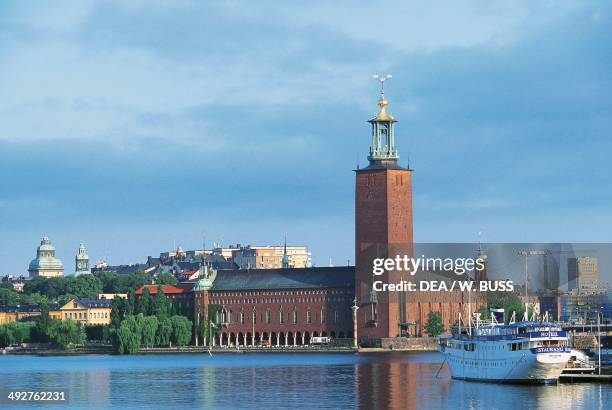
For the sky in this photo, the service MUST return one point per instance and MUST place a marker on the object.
(142, 125)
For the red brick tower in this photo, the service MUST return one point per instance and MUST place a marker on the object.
(383, 229)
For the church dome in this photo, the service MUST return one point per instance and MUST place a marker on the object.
(45, 257)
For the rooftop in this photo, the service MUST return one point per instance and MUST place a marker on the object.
(292, 278)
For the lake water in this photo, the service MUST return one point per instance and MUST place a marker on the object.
(276, 381)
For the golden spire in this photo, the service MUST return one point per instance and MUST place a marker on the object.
(382, 102)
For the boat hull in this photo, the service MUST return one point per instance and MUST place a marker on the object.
(523, 367)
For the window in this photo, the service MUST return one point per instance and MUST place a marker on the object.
(75, 305)
(282, 317)
(267, 316)
(295, 317)
(242, 318)
(335, 316)
(308, 316)
(254, 316)
(322, 316)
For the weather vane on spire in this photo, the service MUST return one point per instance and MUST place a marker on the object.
(382, 79)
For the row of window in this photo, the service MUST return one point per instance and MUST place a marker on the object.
(227, 316)
(83, 315)
(283, 293)
(288, 300)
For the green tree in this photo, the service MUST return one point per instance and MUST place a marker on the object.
(33, 299)
(66, 333)
(115, 315)
(164, 332)
(509, 301)
(16, 332)
(127, 342)
(166, 278)
(149, 330)
(129, 335)
(160, 306)
(181, 330)
(42, 325)
(8, 297)
(83, 286)
(145, 302)
(109, 280)
(130, 305)
(434, 324)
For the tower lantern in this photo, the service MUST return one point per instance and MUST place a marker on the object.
(383, 140)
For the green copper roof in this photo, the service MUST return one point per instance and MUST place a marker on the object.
(293, 278)
(45, 257)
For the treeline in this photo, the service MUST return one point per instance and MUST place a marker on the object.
(139, 331)
(41, 290)
(43, 330)
(150, 322)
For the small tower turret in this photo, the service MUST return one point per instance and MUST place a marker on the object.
(81, 261)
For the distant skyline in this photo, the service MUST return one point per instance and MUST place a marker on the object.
(134, 126)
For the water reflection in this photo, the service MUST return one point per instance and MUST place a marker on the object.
(275, 381)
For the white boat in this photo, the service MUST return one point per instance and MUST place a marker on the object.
(520, 352)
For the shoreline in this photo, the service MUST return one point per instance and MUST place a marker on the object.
(204, 350)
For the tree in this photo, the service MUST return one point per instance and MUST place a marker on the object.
(160, 305)
(8, 297)
(130, 305)
(42, 325)
(16, 332)
(115, 315)
(66, 333)
(128, 335)
(33, 299)
(181, 330)
(166, 278)
(83, 286)
(127, 342)
(149, 330)
(145, 301)
(434, 324)
(509, 301)
(164, 332)
(109, 280)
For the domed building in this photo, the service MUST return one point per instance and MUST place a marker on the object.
(46, 264)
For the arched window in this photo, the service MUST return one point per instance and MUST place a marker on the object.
(295, 317)
(281, 317)
(267, 316)
(241, 317)
(308, 316)
(254, 316)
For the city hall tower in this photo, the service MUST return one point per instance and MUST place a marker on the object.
(383, 229)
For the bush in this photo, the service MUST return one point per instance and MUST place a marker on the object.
(434, 325)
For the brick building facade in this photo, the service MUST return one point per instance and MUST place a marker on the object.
(383, 229)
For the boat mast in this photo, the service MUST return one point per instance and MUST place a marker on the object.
(470, 309)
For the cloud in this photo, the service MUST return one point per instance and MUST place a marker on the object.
(140, 121)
